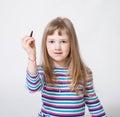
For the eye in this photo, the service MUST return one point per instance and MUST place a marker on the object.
(64, 41)
(51, 41)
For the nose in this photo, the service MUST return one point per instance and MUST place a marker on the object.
(57, 46)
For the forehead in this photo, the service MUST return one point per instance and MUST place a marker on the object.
(58, 33)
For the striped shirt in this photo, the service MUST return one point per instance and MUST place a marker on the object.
(58, 100)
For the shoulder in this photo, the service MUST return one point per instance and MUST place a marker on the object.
(40, 69)
(89, 74)
(89, 71)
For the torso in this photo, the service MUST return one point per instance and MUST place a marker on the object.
(58, 100)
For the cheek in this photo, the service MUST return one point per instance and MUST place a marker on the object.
(49, 49)
(67, 49)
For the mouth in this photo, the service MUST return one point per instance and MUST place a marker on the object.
(58, 53)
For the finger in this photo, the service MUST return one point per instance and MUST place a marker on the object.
(26, 38)
(26, 41)
(30, 43)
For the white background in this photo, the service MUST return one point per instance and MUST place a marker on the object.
(97, 23)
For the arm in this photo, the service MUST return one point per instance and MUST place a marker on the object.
(34, 80)
(91, 99)
(28, 44)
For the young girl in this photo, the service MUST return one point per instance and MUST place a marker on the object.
(65, 82)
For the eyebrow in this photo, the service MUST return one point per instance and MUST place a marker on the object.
(59, 39)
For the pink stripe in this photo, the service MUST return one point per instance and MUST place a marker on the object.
(92, 102)
(99, 115)
(96, 108)
(89, 87)
(35, 83)
(62, 82)
(62, 98)
(59, 74)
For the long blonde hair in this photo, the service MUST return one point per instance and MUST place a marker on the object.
(77, 68)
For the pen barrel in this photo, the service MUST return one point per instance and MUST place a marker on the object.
(31, 33)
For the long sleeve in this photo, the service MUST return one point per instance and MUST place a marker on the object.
(91, 99)
(34, 82)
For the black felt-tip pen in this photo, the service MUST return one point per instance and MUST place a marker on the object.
(31, 33)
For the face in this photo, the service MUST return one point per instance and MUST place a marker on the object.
(58, 47)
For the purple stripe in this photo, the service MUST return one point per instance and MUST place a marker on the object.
(62, 114)
(64, 106)
(34, 76)
(89, 88)
(94, 102)
(99, 115)
(56, 89)
(62, 82)
(95, 109)
(89, 80)
(65, 75)
(50, 89)
(33, 90)
(29, 82)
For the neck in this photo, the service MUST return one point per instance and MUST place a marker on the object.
(59, 65)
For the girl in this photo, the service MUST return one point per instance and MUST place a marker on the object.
(65, 82)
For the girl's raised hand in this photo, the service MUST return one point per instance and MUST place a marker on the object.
(28, 44)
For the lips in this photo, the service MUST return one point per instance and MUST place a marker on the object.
(58, 53)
